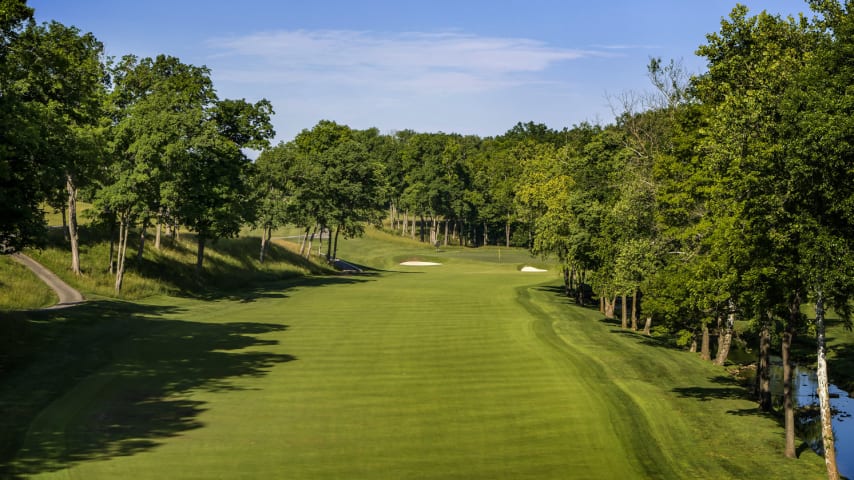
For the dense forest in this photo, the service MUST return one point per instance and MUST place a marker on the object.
(713, 198)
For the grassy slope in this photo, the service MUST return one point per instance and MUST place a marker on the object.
(21, 289)
(230, 264)
(468, 370)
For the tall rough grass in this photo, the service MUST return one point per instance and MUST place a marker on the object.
(20, 289)
(229, 264)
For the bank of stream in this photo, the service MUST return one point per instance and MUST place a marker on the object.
(809, 425)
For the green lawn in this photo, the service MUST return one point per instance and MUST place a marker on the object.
(467, 370)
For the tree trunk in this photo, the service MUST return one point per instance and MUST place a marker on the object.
(447, 226)
(704, 345)
(823, 394)
(328, 245)
(693, 347)
(404, 223)
(635, 310)
(609, 306)
(566, 286)
(412, 230)
(303, 241)
(335, 248)
(124, 228)
(725, 337)
(647, 326)
(200, 254)
(763, 370)
(64, 211)
(265, 241)
(141, 248)
(624, 321)
(788, 371)
(485, 234)
(72, 223)
(157, 231)
(788, 401)
(112, 244)
(421, 228)
(571, 281)
(507, 233)
(309, 242)
(602, 302)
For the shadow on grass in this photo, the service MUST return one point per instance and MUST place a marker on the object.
(274, 288)
(108, 379)
(729, 389)
(652, 341)
(235, 274)
(235, 266)
(374, 271)
(231, 265)
(557, 291)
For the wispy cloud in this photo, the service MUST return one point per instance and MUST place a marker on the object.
(441, 62)
(627, 47)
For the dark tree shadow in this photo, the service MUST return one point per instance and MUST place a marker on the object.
(139, 368)
(651, 341)
(590, 301)
(729, 389)
(557, 291)
(367, 270)
(274, 288)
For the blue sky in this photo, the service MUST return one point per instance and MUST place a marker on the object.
(464, 66)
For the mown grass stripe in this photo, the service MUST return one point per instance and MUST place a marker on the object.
(465, 371)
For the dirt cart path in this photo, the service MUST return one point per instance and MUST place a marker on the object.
(67, 295)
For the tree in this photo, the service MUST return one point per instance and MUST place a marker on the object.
(569, 192)
(312, 193)
(545, 189)
(271, 179)
(500, 167)
(752, 63)
(159, 112)
(213, 180)
(65, 74)
(23, 182)
(678, 296)
(819, 112)
(428, 188)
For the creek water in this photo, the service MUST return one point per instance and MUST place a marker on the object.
(809, 424)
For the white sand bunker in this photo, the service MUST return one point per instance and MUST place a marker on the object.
(532, 269)
(420, 264)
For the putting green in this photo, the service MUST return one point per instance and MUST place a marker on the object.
(466, 371)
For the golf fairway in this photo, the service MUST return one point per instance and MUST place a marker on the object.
(466, 370)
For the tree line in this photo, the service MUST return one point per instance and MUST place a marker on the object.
(717, 197)
(722, 196)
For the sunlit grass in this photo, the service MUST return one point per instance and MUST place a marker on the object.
(20, 289)
(468, 370)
